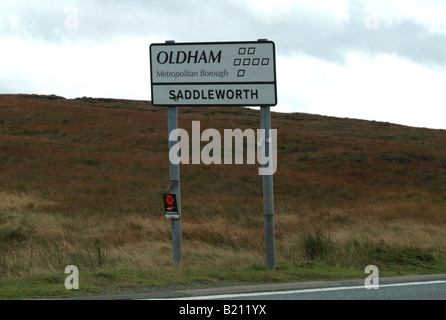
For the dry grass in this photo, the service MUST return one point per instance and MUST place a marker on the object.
(81, 183)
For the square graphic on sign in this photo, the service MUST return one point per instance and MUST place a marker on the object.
(170, 205)
(241, 50)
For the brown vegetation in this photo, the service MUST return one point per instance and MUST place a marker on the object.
(81, 182)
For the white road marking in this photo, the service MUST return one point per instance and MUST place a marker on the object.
(260, 294)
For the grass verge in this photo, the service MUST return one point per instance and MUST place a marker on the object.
(391, 262)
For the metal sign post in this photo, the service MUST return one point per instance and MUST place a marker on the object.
(174, 187)
(174, 171)
(268, 193)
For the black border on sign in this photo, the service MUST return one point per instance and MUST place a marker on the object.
(213, 83)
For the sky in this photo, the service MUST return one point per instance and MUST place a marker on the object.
(365, 59)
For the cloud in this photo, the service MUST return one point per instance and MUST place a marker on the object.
(118, 69)
(328, 30)
(104, 21)
(330, 53)
(381, 88)
(332, 36)
(374, 33)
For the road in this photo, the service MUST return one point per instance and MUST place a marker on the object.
(427, 290)
(425, 287)
(263, 300)
(431, 287)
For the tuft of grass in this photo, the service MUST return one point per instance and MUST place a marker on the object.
(317, 245)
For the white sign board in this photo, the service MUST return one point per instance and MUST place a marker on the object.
(213, 74)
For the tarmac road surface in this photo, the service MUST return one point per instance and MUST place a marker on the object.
(426, 287)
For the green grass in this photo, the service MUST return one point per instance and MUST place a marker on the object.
(119, 282)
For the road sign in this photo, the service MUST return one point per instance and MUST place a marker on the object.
(213, 74)
(170, 206)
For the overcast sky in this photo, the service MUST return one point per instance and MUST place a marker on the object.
(374, 60)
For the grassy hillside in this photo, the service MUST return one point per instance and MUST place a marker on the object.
(81, 182)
